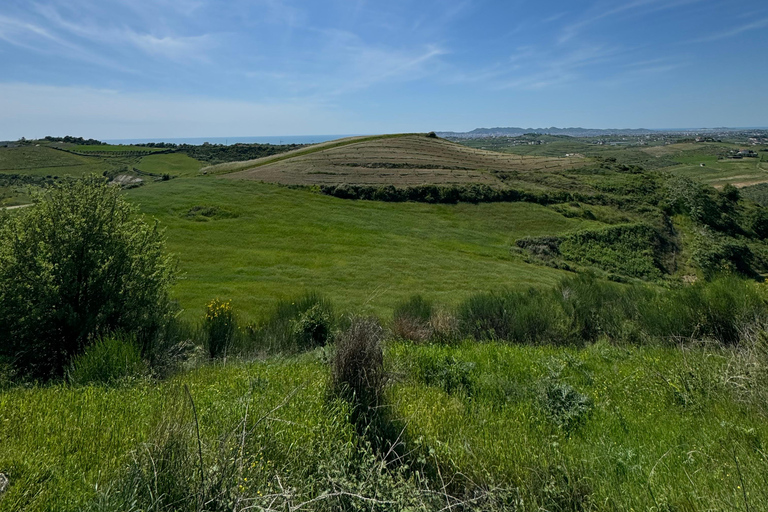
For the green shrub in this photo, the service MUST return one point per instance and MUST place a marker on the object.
(107, 361)
(172, 347)
(78, 265)
(630, 250)
(416, 307)
(758, 222)
(219, 327)
(594, 308)
(525, 317)
(313, 327)
(716, 254)
(720, 310)
(297, 324)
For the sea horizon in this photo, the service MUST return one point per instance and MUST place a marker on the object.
(197, 141)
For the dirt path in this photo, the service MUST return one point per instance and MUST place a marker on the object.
(15, 207)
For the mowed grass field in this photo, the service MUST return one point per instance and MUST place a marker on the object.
(265, 242)
(175, 164)
(410, 159)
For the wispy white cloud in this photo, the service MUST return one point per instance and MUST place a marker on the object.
(732, 32)
(538, 69)
(28, 35)
(602, 12)
(167, 45)
(349, 64)
(39, 39)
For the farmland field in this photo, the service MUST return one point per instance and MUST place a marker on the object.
(40, 161)
(117, 148)
(403, 160)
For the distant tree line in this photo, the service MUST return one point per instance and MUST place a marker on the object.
(76, 140)
(219, 153)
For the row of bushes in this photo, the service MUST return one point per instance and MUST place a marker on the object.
(582, 309)
(448, 194)
(579, 310)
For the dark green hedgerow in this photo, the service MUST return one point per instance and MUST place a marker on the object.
(451, 194)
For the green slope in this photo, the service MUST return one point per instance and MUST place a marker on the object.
(265, 242)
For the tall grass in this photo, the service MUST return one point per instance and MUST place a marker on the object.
(107, 361)
(294, 325)
(601, 428)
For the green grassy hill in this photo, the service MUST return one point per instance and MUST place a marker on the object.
(256, 242)
(401, 160)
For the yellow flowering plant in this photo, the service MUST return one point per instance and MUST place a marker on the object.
(219, 327)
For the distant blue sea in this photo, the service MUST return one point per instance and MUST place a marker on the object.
(286, 139)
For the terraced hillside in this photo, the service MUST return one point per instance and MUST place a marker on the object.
(403, 160)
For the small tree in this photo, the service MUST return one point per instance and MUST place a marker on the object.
(77, 265)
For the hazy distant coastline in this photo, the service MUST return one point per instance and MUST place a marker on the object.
(584, 132)
(196, 141)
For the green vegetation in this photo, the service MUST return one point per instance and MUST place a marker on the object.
(42, 161)
(624, 422)
(219, 328)
(174, 164)
(77, 265)
(112, 149)
(280, 242)
(294, 325)
(572, 334)
(216, 154)
(109, 360)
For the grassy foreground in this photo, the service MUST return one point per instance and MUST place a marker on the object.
(255, 243)
(640, 428)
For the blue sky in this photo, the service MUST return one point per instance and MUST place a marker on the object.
(187, 68)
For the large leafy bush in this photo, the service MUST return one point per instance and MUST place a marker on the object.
(78, 264)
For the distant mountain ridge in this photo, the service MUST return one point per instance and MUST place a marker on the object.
(571, 132)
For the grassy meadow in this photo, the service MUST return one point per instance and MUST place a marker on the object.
(174, 164)
(263, 242)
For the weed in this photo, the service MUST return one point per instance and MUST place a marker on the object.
(448, 373)
(109, 360)
(564, 406)
(358, 366)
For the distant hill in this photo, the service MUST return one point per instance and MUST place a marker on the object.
(401, 160)
(579, 132)
(516, 132)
